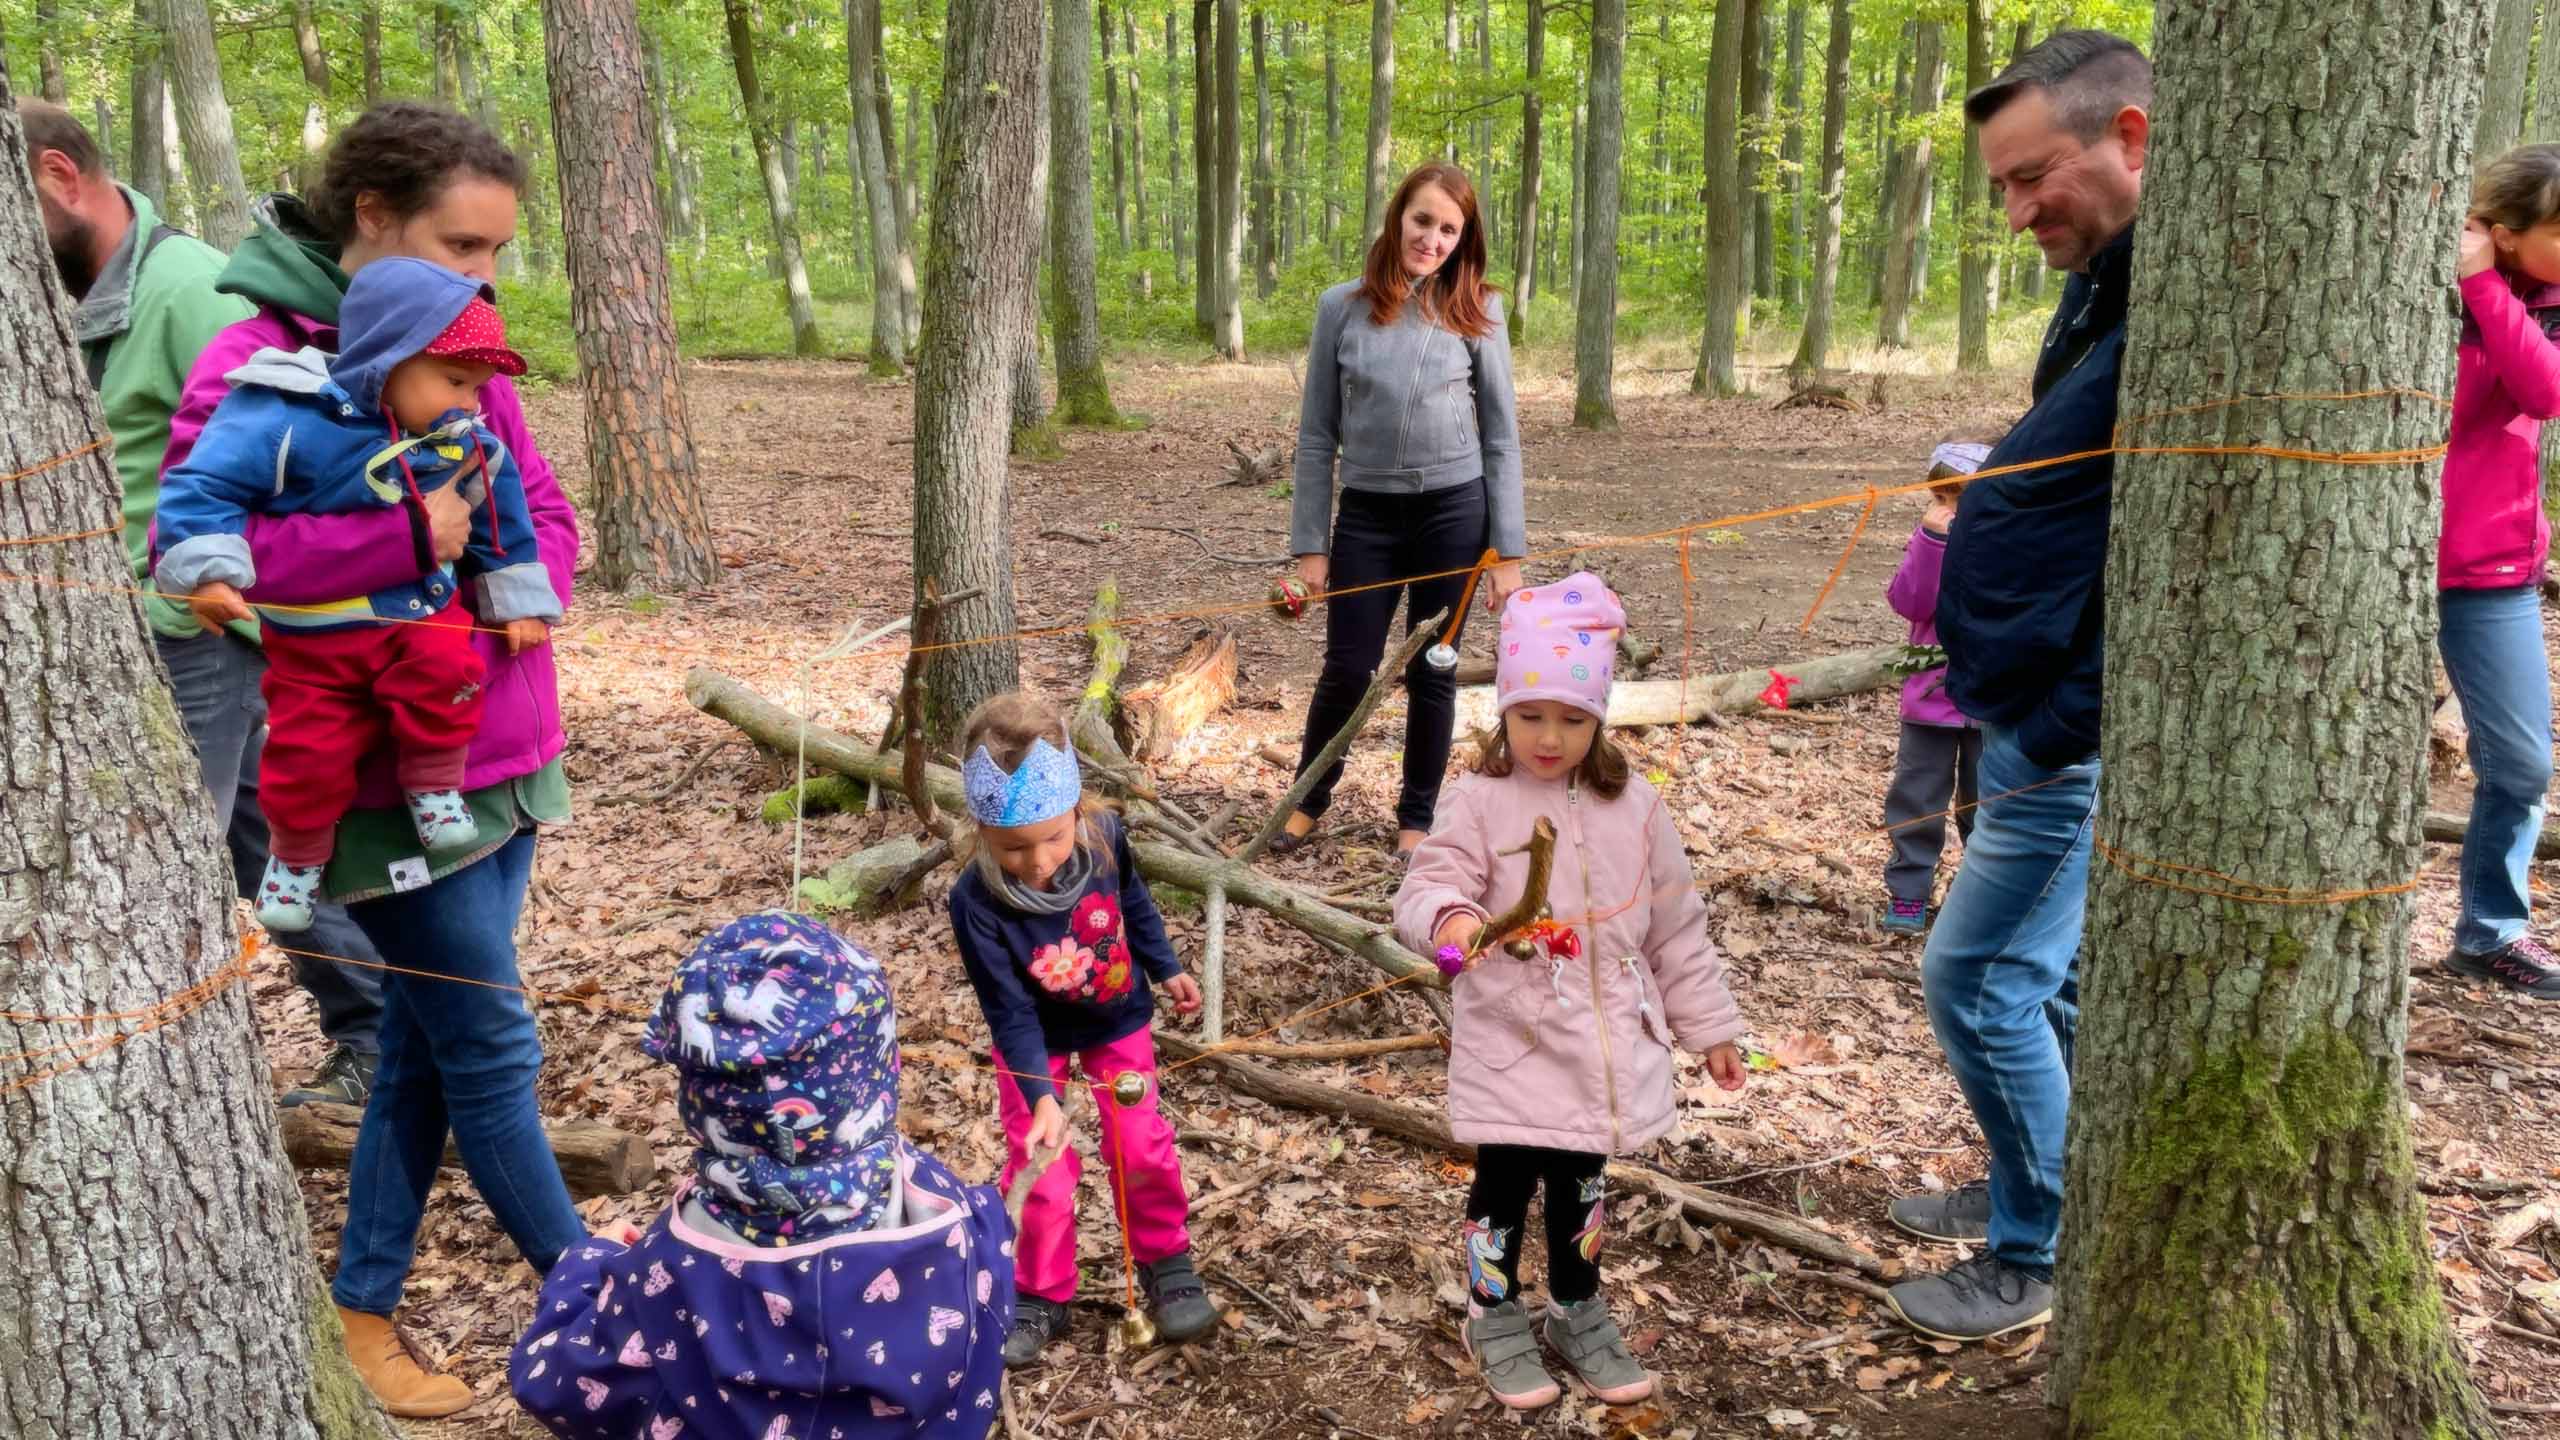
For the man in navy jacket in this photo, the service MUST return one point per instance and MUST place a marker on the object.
(2064, 132)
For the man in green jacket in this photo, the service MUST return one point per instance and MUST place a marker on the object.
(147, 307)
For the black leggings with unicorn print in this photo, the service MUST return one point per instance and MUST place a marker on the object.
(1498, 1218)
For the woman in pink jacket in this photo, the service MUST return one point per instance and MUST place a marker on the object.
(415, 180)
(1561, 1057)
(2490, 560)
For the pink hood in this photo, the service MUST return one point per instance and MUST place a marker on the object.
(2507, 384)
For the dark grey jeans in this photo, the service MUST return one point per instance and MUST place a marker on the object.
(215, 681)
(1932, 770)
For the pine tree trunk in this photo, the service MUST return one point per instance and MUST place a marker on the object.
(992, 134)
(2502, 93)
(149, 172)
(1230, 312)
(1759, 96)
(372, 42)
(2248, 1253)
(893, 276)
(1596, 293)
(1909, 228)
(1380, 167)
(1791, 161)
(1137, 134)
(1204, 166)
(1176, 213)
(1524, 265)
(1727, 272)
(151, 1216)
(1266, 218)
(777, 186)
(652, 527)
(1813, 349)
(1977, 223)
(1084, 395)
(204, 122)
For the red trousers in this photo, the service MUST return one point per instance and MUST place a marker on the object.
(331, 699)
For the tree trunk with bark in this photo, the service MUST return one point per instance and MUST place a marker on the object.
(1204, 166)
(2501, 122)
(777, 186)
(1727, 274)
(1791, 286)
(1266, 217)
(1111, 110)
(1332, 138)
(50, 82)
(204, 122)
(1137, 132)
(1977, 218)
(135, 1104)
(652, 528)
(2248, 1253)
(1229, 317)
(315, 111)
(1596, 292)
(1380, 168)
(891, 275)
(372, 43)
(992, 135)
(1759, 98)
(149, 173)
(681, 191)
(1084, 394)
(2030, 284)
(1908, 233)
(1524, 265)
(1813, 348)
(1175, 212)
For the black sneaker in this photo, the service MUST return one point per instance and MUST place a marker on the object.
(345, 1078)
(2525, 966)
(1179, 1300)
(1961, 1216)
(1974, 1300)
(1036, 1322)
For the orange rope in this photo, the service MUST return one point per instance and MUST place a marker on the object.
(1836, 571)
(62, 539)
(65, 458)
(2249, 891)
(159, 1014)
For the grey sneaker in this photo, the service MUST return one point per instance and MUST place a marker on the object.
(1589, 1342)
(1506, 1350)
(1975, 1300)
(2525, 965)
(1179, 1300)
(1036, 1322)
(1961, 1216)
(345, 1078)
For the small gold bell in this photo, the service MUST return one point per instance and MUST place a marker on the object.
(1129, 1087)
(1522, 950)
(1137, 1332)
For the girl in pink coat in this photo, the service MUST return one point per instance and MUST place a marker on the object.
(1561, 1057)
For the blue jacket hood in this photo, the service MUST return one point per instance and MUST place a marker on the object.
(393, 309)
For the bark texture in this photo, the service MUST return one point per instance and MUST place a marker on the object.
(204, 122)
(159, 1279)
(1596, 291)
(1907, 238)
(2246, 1255)
(652, 527)
(1977, 223)
(1382, 104)
(2501, 122)
(1084, 395)
(1228, 330)
(1524, 238)
(149, 172)
(1728, 273)
(893, 271)
(777, 186)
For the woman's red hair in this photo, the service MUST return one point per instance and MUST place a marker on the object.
(1455, 293)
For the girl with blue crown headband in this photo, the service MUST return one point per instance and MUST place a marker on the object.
(1061, 941)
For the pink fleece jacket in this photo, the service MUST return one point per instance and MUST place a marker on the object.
(2506, 384)
(310, 559)
(1913, 594)
(1573, 1054)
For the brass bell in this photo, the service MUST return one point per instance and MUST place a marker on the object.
(1137, 1332)
(1129, 1087)
(1523, 949)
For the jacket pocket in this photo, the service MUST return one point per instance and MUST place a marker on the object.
(1510, 1026)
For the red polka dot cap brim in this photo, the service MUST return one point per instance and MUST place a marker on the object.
(478, 333)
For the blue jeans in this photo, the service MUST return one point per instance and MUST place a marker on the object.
(214, 679)
(458, 1054)
(2492, 645)
(2002, 977)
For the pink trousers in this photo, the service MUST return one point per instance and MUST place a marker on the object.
(1137, 1152)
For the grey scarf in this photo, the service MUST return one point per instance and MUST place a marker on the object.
(1065, 888)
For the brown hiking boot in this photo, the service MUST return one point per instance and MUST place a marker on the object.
(396, 1373)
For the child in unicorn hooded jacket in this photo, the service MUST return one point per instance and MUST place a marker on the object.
(817, 1278)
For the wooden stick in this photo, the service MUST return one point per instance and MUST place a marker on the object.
(1213, 965)
(1334, 1049)
(1037, 1163)
(595, 1158)
(1532, 904)
(1421, 638)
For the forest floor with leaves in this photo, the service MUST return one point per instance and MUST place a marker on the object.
(1335, 1250)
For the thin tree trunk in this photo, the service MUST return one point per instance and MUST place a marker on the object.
(1574, 235)
(49, 78)
(1896, 155)
(1382, 103)
(1333, 137)
(315, 111)
(2031, 284)
(102, 121)
(2249, 1254)
(1727, 275)
(1288, 190)
(1486, 176)
(1449, 59)
(682, 173)
(777, 186)
(1791, 286)
(1813, 349)
(910, 188)
(1977, 229)
(992, 134)
(444, 40)
(2501, 122)
(1111, 110)
(1761, 53)
(1204, 165)
(1230, 314)
(373, 87)
(150, 171)
(1596, 294)
(1524, 266)
(1657, 208)
(1910, 217)
(2546, 84)
(1035, 435)
(204, 122)
(893, 276)
(1084, 395)
(132, 1142)
(652, 528)
(1137, 133)
(1176, 214)
(1266, 220)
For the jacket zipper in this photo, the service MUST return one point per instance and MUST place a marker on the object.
(1413, 383)
(1599, 1009)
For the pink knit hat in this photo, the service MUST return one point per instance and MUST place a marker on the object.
(1559, 642)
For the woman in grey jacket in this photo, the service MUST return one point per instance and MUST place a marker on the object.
(1409, 389)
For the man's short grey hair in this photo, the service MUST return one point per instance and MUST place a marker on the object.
(2090, 77)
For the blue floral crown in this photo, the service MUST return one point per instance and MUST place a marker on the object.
(1044, 786)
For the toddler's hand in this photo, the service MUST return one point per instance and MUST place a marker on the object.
(1460, 929)
(216, 605)
(1940, 514)
(1184, 992)
(523, 635)
(1726, 1064)
(1048, 1125)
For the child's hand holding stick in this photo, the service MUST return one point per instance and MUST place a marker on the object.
(1463, 937)
(1046, 1142)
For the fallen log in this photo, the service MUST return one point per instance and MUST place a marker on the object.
(1658, 702)
(1633, 655)
(595, 1158)
(1162, 713)
(2450, 828)
(1422, 1128)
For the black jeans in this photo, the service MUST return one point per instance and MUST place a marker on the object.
(1498, 1221)
(1382, 538)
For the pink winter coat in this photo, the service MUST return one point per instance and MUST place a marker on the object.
(1913, 594)
(1572, 1055)
(2507, 384)
(312, 559)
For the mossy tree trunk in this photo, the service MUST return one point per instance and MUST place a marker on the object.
(1084, 395)
(2246, 1254)
(159, 1279)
